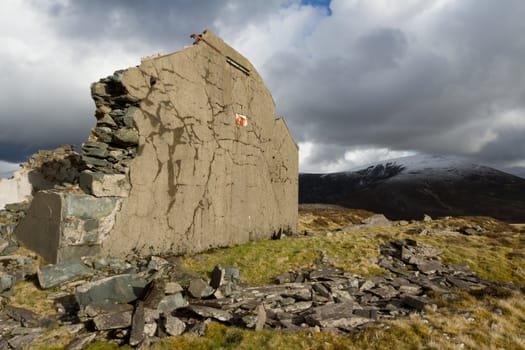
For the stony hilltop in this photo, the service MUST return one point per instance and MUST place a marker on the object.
(349, 278)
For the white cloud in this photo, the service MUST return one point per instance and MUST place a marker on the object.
(7, 169)
(361, 157)
(347, 160)
(433, 76)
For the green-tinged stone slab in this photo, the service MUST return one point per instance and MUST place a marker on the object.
(87, 207)
(172, 302)
(128, 117)
(54, 275)
(119, 289)
(126, 137)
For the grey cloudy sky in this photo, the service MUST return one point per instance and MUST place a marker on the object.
(357, 80)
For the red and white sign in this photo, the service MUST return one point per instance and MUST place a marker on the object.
(241, 120)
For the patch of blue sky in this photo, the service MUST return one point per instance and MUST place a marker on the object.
(319, 3)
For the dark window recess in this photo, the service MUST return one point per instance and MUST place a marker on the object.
(237, 65)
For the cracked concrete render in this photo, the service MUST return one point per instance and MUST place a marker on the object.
(199, 180)
(182, 174)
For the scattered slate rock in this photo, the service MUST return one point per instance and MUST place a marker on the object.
(116, 289)
(150, 329)
(324, 315)
(469, 231)
(54, 275)
(173, 325)
(172, 288)
(93, 310)
(199, 289)
(172, 302)
(154, 293)
(414, 302)
(6, 281)
(81, 341)
(284, 278)
(17, 266)
(217, 276)
(376, 220)
(137, 325)
(23, 341)
(115, 320)
(151, 315)
(210, 312)
(232, 274)
(199, 328)
(26, 317)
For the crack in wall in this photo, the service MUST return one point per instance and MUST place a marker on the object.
(189, 103)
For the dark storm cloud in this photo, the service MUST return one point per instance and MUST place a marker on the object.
(166, 24)
(431, 76)
(123, 21)
(508, 147)
(438, 91)
(45, 92)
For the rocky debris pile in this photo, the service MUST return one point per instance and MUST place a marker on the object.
(467, 230)
(420, 265)
(376, 220)
(58, 168)
(114, 140)
(139, 302)
(14, 268)
(85, 189)
(426, 226)
(10, 216)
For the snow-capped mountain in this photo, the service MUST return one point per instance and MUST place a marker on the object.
(409, 187)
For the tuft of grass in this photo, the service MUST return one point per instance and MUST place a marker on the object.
(496, 256)
(259, 262)
(493, 255)
(53, 339)
(321, 218)
(28, 296)
(99, 345)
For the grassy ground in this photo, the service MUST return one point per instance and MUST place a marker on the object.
(493, 319)
(496, 254)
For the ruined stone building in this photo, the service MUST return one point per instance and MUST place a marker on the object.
(186, 155)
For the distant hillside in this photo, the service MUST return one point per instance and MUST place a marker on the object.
(408, 188)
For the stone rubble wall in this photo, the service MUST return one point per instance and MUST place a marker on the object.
(74, 221)
(179, 171)
(44, 170)
(61, 226)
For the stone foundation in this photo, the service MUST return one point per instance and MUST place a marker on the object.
(60, 226)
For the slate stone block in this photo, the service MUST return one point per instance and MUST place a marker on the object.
(172, 302)
(118, 289)
(54, 275)
(199, 289)
(117, 320)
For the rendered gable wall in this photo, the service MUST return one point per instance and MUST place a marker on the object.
(199, 180)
